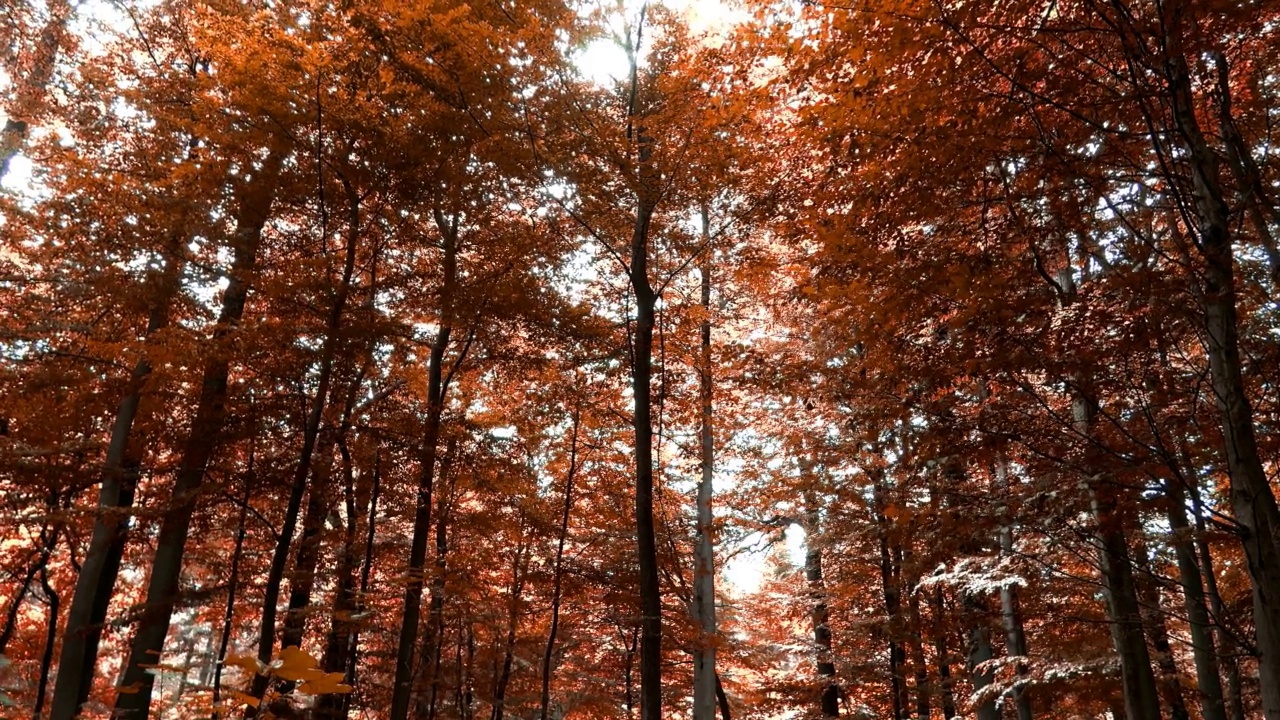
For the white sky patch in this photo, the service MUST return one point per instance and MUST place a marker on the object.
(604, 61)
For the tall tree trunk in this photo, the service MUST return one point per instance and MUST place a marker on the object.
(341, 623)
(943, 655)
(647, 194)
(206, 429)
(433, 644)
(366, 570)
(402, 687)
(1153, 617)
(980, 652)
(233, 582)
(892, 605)
(1204, 653)
(1253, 192)
(704, 571)
(829, 700)
(1252, 499)
(1010, 610)
(646, 537)
(50, 640)
(311, 431)
(1233, 698)
(519, 567)
(1124, 612)
(302, 579)
(557, 572)
(920, 668)
(96, 581)
(722, 699)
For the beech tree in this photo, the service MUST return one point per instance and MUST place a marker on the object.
(884, 358)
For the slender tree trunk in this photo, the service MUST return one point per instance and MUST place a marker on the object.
(338, 639)
(1233, 699)
(206, 428)
(96, 581)
(1204, 652)
(980, 652)
(50, 640)
(1124, 612)
(1010, 609)
(557, 573)
(920, 668)
(892, 606)
(1253, 192)
(943, 655)
(704, 572)
(233, 582)
(302, 579)
(647, 195)
(366, 570)
(829, 700)
(722, 699)
(402, 687)
(1252, 499)
(1153, 617)
(433, 644)
(310, 433)
(646, 539)
(519, 566)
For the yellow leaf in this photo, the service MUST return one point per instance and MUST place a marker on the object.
(244, 698)
(296, 665)
(328, 684)
(248, 663)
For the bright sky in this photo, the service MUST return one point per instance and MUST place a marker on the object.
(605, 62)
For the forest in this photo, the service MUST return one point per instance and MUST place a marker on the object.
(622, 360)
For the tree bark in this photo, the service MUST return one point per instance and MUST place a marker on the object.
(1153, 617)
(402, 687)
(1010, 609)
(96, 581)
(206, 428)
(233, 582)
(829, 700)
(310, 433)
(50, 640)
(557, 573)
(980, 652)
(433, 644)
(519, 568)
(892, 604)
(1227, 644)
(943, 655)
(647, 194)
(920, 668)
(1115, 565)
(341, 622)
(704, 593)
(1252, 499)
(1204, 653)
